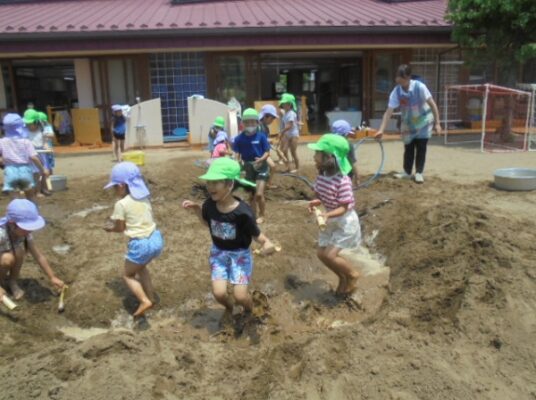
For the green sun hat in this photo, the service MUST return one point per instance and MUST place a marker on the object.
(336, 145)
(31, 116)
(288, 98)
(225, 168)
(42, 116)
(219, 122)
(250, 113)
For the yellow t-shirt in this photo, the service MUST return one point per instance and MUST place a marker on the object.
(137, 214)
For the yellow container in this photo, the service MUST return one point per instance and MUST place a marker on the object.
(137, 157)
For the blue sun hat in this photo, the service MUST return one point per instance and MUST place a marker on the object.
(24, 214)
(129, 174)
(267, 109)
(14, 126)
(341, 127)
(220, 137)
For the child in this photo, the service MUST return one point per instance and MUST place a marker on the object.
(418, 112)
(133, 216)
(22, 218)
(253, 149)
(18, 155)
(48, 133)
(221, 145)
(334, 191)
(232, 226)
(267, 115)
(32, 119)
(290, 133)
(343, 128)
(217, 126)
(119, 130)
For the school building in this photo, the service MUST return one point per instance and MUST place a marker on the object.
(341, 55)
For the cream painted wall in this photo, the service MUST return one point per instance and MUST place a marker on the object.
(82, 72)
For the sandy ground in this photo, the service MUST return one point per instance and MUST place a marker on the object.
(458, 318)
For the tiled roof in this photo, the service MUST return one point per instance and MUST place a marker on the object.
(81, 16)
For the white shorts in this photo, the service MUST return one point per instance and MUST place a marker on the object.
(343, 232)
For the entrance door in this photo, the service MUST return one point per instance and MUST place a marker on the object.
(118, 80)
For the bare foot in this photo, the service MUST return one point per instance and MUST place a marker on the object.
(294, 171)
(351, 284)
(144, 306)
(16, 291)
(40, 195)
(272, 186)
(260, 220)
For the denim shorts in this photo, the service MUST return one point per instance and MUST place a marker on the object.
(234, 266)
(18, 177)
(142, 250)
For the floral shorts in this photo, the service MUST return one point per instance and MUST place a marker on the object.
(343, 232)
(234, 266)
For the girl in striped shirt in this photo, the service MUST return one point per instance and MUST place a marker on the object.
(333, 189)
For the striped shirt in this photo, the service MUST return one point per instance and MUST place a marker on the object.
(335, 191)
(16, 151)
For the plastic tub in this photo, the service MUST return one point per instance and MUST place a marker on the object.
(515, 179)
(58, 182)
(137, 157)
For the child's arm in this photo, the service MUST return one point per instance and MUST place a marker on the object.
(196, 208)
(312, 204)
(115, 225)
(337, 212)
(45, 266)
(267, 245)
(39, 165)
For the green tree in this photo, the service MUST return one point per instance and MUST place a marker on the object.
(495, 31)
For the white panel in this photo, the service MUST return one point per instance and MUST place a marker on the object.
(201, 114)
(147, 116)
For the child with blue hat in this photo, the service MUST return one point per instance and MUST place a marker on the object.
(18, 156)
(16, 227)
(119, 131)
(133, 216)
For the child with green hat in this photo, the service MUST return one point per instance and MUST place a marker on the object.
(232, 227)
(333, 188)
(253, 149)
(217, 127)
(32, 119)
(290, 133)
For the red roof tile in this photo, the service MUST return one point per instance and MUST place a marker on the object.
(160, 15)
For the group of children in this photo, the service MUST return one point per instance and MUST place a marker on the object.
(233, 224)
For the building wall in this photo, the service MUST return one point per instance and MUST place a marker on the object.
(82, 71)
(3, 99)
(175, 77)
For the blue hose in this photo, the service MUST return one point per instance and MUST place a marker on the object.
(362, 185)
(377, 175)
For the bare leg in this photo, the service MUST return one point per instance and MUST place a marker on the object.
(115, 146)
(242, 297)
(219, 290)
(260, 200)
(14, 274)
(146, 283)
(135, 287)
(271, 164)
(341, 286)
(338, 264)
(38, 185)
(294, 152)
(253, 203)
(121, 149)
